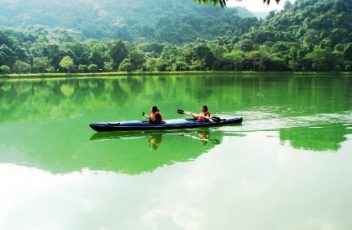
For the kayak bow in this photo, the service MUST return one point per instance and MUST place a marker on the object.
(169, 124)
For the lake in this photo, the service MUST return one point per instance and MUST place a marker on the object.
(288, 166)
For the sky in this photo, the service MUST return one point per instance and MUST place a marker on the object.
(258, 5)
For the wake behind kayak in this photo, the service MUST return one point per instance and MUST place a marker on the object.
(166, 125)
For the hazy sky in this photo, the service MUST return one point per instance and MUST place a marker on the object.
(258, 5)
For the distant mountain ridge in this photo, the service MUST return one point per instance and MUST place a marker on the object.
(157, 20)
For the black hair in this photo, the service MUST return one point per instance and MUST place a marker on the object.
(154, 108)
(205, 107)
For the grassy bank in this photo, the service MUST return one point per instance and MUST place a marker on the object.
(145, 73)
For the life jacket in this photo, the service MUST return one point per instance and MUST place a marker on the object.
(202, 115)
(152, 117)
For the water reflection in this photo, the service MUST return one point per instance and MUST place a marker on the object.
(320, 137)
(55, 98)
(203, 136)
(154, 141)
(140, 152)
(128, 153)
(43, 123)
(154, 138)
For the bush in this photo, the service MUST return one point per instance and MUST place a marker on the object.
(4, 69)
(93, 68)
(348, 68)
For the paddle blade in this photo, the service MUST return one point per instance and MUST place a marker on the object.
(216, 119)
(215, 141)
(180, 111)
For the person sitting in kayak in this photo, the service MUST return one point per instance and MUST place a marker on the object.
(204, 114)
(155, 117)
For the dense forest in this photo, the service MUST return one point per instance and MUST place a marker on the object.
(309, 35)
(133, 21)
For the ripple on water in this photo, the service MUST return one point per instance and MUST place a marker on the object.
(266, 121)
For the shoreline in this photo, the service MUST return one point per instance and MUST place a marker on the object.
(163, 73)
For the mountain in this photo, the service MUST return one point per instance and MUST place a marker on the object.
(307, 35)
(138, 20)
(310, 22)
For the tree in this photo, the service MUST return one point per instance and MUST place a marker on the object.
(162, 65)
(98, 53)
(259, 57)
(303, 36)
(4, 69)
(126, 65)
(293, 65)
(151, 47)
(118, 52)
(108, 66)
(348, 68)
(201, 54)
(245, 45)
(288, 5)
(151, 64)
(236, 57)
(197, 65)
(180, 66)
(79, 51)
(82, 68)
(348, 51)
(21, 67)
(321, 59)
(67, 63)
(223, 2)
(41, 64)
(7, 55)
(136, 58)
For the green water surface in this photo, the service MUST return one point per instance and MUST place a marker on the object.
(286, 167)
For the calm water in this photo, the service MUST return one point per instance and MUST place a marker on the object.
(287, 167)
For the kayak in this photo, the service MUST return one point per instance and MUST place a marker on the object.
(166, 125)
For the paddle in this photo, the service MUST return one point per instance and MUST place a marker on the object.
(145, 115)
(212, 140)
(214, 119)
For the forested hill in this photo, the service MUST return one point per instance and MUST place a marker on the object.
(310, 35)
(131, 20)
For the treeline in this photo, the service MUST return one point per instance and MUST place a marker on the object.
(56, 51)
(309, 35)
